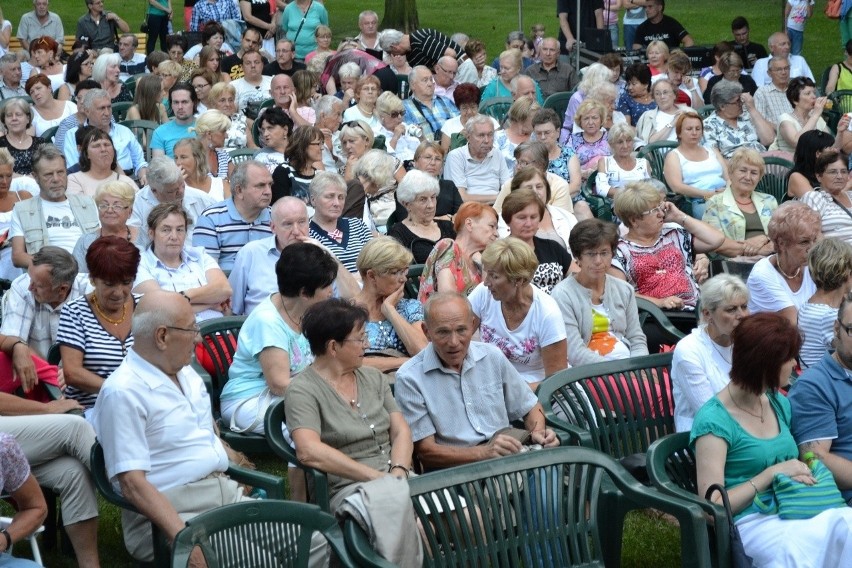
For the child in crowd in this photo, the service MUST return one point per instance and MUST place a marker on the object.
(796, 14)
(537, 32)
(610, 18)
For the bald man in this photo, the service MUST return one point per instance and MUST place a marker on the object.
(253, 276)
(779, 46)
(154, 420)
(445, 71)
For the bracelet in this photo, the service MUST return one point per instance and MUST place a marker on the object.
(402, 467)
(12, 350)
(185, 295)
(5, 533)
(756, 491)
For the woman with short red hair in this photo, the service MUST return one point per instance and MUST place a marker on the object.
(47, 111)
(44, 56)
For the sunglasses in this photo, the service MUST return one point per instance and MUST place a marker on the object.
(395, 114)
(352, 124)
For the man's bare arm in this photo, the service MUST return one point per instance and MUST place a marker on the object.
(839, 466)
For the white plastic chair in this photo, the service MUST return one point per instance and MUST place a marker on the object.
(6, 521)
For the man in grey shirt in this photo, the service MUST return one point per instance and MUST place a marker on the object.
(40, 22)
(459, 396)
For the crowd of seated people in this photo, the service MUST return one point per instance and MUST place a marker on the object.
(307, 188)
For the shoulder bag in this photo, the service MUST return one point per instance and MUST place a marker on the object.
(739, 558)
(796, 500)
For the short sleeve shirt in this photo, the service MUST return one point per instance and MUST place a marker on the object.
(769, 292)
(668, 30)
(382, 334)
(14, 469)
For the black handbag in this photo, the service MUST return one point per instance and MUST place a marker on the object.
(739, 558)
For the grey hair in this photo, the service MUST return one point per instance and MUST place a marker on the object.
(513, 84)
(390, 38)
(91, 96)
(325, 105)
(146, 320)
(768, 65)
(538, 150)
(608, 88)
(720, 289)
(592, 75)
(283, 202)
(324, 180)
(460, 38)
(162, 171)
(46, 152)
(7, 59)
(723, 91)
(63, 266)
(474, 120)
(350, 70)
(378, 166)
(439, 298)
(515, 36)
(240, 176)
(620, 131)
(416, 183)
(412, 75)
(366, 13)
(101, 63)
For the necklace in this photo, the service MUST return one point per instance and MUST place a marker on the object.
(743, 409)
(744, 203)
(719, 351)
(298, 322)
(101, 313)
(784, 274)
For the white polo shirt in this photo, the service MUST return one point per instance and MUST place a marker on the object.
(477, 178)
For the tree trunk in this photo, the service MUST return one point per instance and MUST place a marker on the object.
(400, 15)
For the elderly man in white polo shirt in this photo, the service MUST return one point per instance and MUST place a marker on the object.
(477, 169)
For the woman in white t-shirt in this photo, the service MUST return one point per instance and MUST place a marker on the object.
(782, 282)
(515, 316)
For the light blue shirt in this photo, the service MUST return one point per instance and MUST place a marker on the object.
(263, 328)
(195, 202)
(222, 231)
(252, 275)
(128, 151)
(167, 135)
(192, 273)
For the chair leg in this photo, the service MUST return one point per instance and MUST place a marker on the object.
(50, 523)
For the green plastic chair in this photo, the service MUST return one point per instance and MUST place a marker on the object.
(842, 101)
(774, 180)
(119, 110)
(317, 480)
(260, 534)
(656, 153)
(412, 282)
(404, 87)
(267, 103)
(558, 102)
(599, 205)
(538, 508)
(144, 131)
(49, 134)
(672, 470)
(457, 140)
(242, 154)
(131, 84)
(706, 111)
(649, 312)
(616, 407)
(219, 341)
(496, 107)
(273, 485)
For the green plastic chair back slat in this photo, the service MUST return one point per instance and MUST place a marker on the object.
(49, 134)
(774, 180)
(318, 480)
(706, 111)
(649, 311)
(404, 87)
(412, 282)
(119, 110)
(260, 534)
(599, 205)
(558, 102)
(842, 101)
(539, 508)
(656, 153)
(143, 130)
(242, 154)
(672, 470)
(496, 107)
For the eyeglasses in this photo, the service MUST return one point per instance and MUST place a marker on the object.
(452, 73)
(785, 68)
(195, 330)
(352, 124)
(658, 209)
(844, 327)
(395, 114)
(841, 172)
(662, 93)
(737, 101)
(118, 208)
(591, 255)
(363, 340)
(200, 86)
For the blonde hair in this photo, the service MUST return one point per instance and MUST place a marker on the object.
(588, 106)
(514, 55)
(523, 109)
(383, 255)
(747, 156)
(830, 264)
(6, 158)
(212, 121)
(218, 90)
(513, 257)
(388, 102)
(119, 189)
(634, 200)
(170, 68)
(658, 44)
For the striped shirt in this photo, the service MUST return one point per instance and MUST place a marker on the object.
(222, 231)
(816, 325)
(836, 221)
(222, 160)
(428, 46)
(103, 352)
(355, 236)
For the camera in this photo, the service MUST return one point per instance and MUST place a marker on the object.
(414, 130)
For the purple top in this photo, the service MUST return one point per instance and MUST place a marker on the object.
(14, 469)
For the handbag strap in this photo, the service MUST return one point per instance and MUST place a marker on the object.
(839, 204)
(302, 23)
(718, 487)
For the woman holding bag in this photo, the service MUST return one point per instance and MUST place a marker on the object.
(299, 21)
(742, 441)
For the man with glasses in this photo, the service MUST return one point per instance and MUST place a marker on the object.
(10, 77)
(40, 22)
(154, 420)
(439, 392)
(821, 400)
(131, 63)
(424, 108)
(183, 100)
(551, 75)
(771, 100)
(779, 46)
(445, 77)
(98, 27)
(225, 227)
(285, 63)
